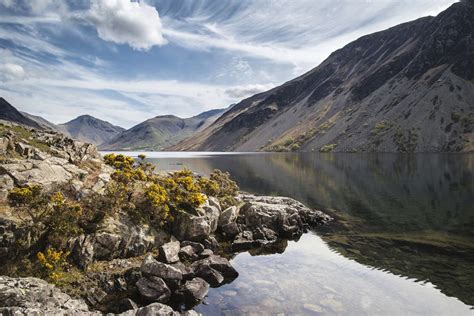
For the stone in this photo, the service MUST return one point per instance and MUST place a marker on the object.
(210, 275)
(124, 305)
(187, 253)
(230, 230)
(214, 202)
(106, 245)
(198, 247)
(186, 271)
(156, 309)
(206, 253)
(168, 252)
(190, 227)
(244, 241)
(228, 216)
(32, 296)
(82, 250)
(153, 289)
(220, 264)
(211, 213)
(152, 267)
(211, 243)
(192, 292)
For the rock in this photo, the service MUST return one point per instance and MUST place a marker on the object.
(228, 216)
(151, 267)
(220, 264)
(210, 275)
(198, 247)
(269, 218)
(190, 227)
(192, 292)
(153, 289)
(82, 250)
(211, 243)
(211, 213)
(169, 252)
(32, 296)
(206, 253)
(106, 245)
(186, 271)
(156, 309)
(187, 253)
(244, 241)
(124, 305)
(95, 296)
(230, 230)
(214, 202)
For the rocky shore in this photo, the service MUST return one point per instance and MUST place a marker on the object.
(124, 266)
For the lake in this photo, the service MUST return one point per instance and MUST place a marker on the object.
(402, 241)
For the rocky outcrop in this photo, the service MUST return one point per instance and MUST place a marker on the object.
(118, 237)
(32, 296)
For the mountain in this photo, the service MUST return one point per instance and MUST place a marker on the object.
(161, 131)
(9, 113)
(43, 122)
(409, 88)
(90, 129)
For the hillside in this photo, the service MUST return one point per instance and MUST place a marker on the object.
(161, 131)
(43, 122)
(9, 113)
(409, 88)
(90, 129)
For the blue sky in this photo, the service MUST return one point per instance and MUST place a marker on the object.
(126, 61)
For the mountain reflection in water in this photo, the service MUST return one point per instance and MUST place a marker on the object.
(404, 215)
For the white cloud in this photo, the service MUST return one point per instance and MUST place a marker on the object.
(241, 92)
(10, 72)
(126, 22)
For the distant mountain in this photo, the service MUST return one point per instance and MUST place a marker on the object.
(409, 88)
(161, 131)
(9, 113)
(89, 129)
(43, 122)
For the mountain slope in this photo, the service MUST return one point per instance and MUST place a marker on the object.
(43, 122)
(161, 131)
(90, 129)
(409, 88)
(9, 113)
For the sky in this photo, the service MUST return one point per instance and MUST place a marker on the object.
(125, 61)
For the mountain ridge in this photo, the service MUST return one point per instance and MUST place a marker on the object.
(380, 93)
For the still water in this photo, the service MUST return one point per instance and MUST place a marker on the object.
(402, 242)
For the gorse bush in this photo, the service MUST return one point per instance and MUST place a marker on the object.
(53, 264)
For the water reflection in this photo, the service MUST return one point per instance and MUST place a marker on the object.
(412, 215)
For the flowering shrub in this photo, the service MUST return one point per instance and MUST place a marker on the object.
(53, 263)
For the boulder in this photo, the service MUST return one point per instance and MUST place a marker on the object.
(152, 267)
(190, 227)
(197, 247)
(32, 296)
(153, 289)
(187, 253)
(228, 216)
(244, 241)
(210, 275)
(211, 213)
(206, 253)
(218, 263)
(192, 292)
(214, 202)
(155, 309)
(211, 243)
(168, 252)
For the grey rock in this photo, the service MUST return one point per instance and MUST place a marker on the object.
(152, 267)
(228, 216)
(210, 275)
(192, 292)
(198, 247)
(211, 243)
(169, 252)
(32, 296)
(187, 253)
(220, 264)
(190, 227)
(153, 289)
(206, 253)
(156, 309)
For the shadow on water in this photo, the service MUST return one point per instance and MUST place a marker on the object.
(411, 215)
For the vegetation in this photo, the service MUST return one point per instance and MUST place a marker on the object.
(327, 148)
(55, 215)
